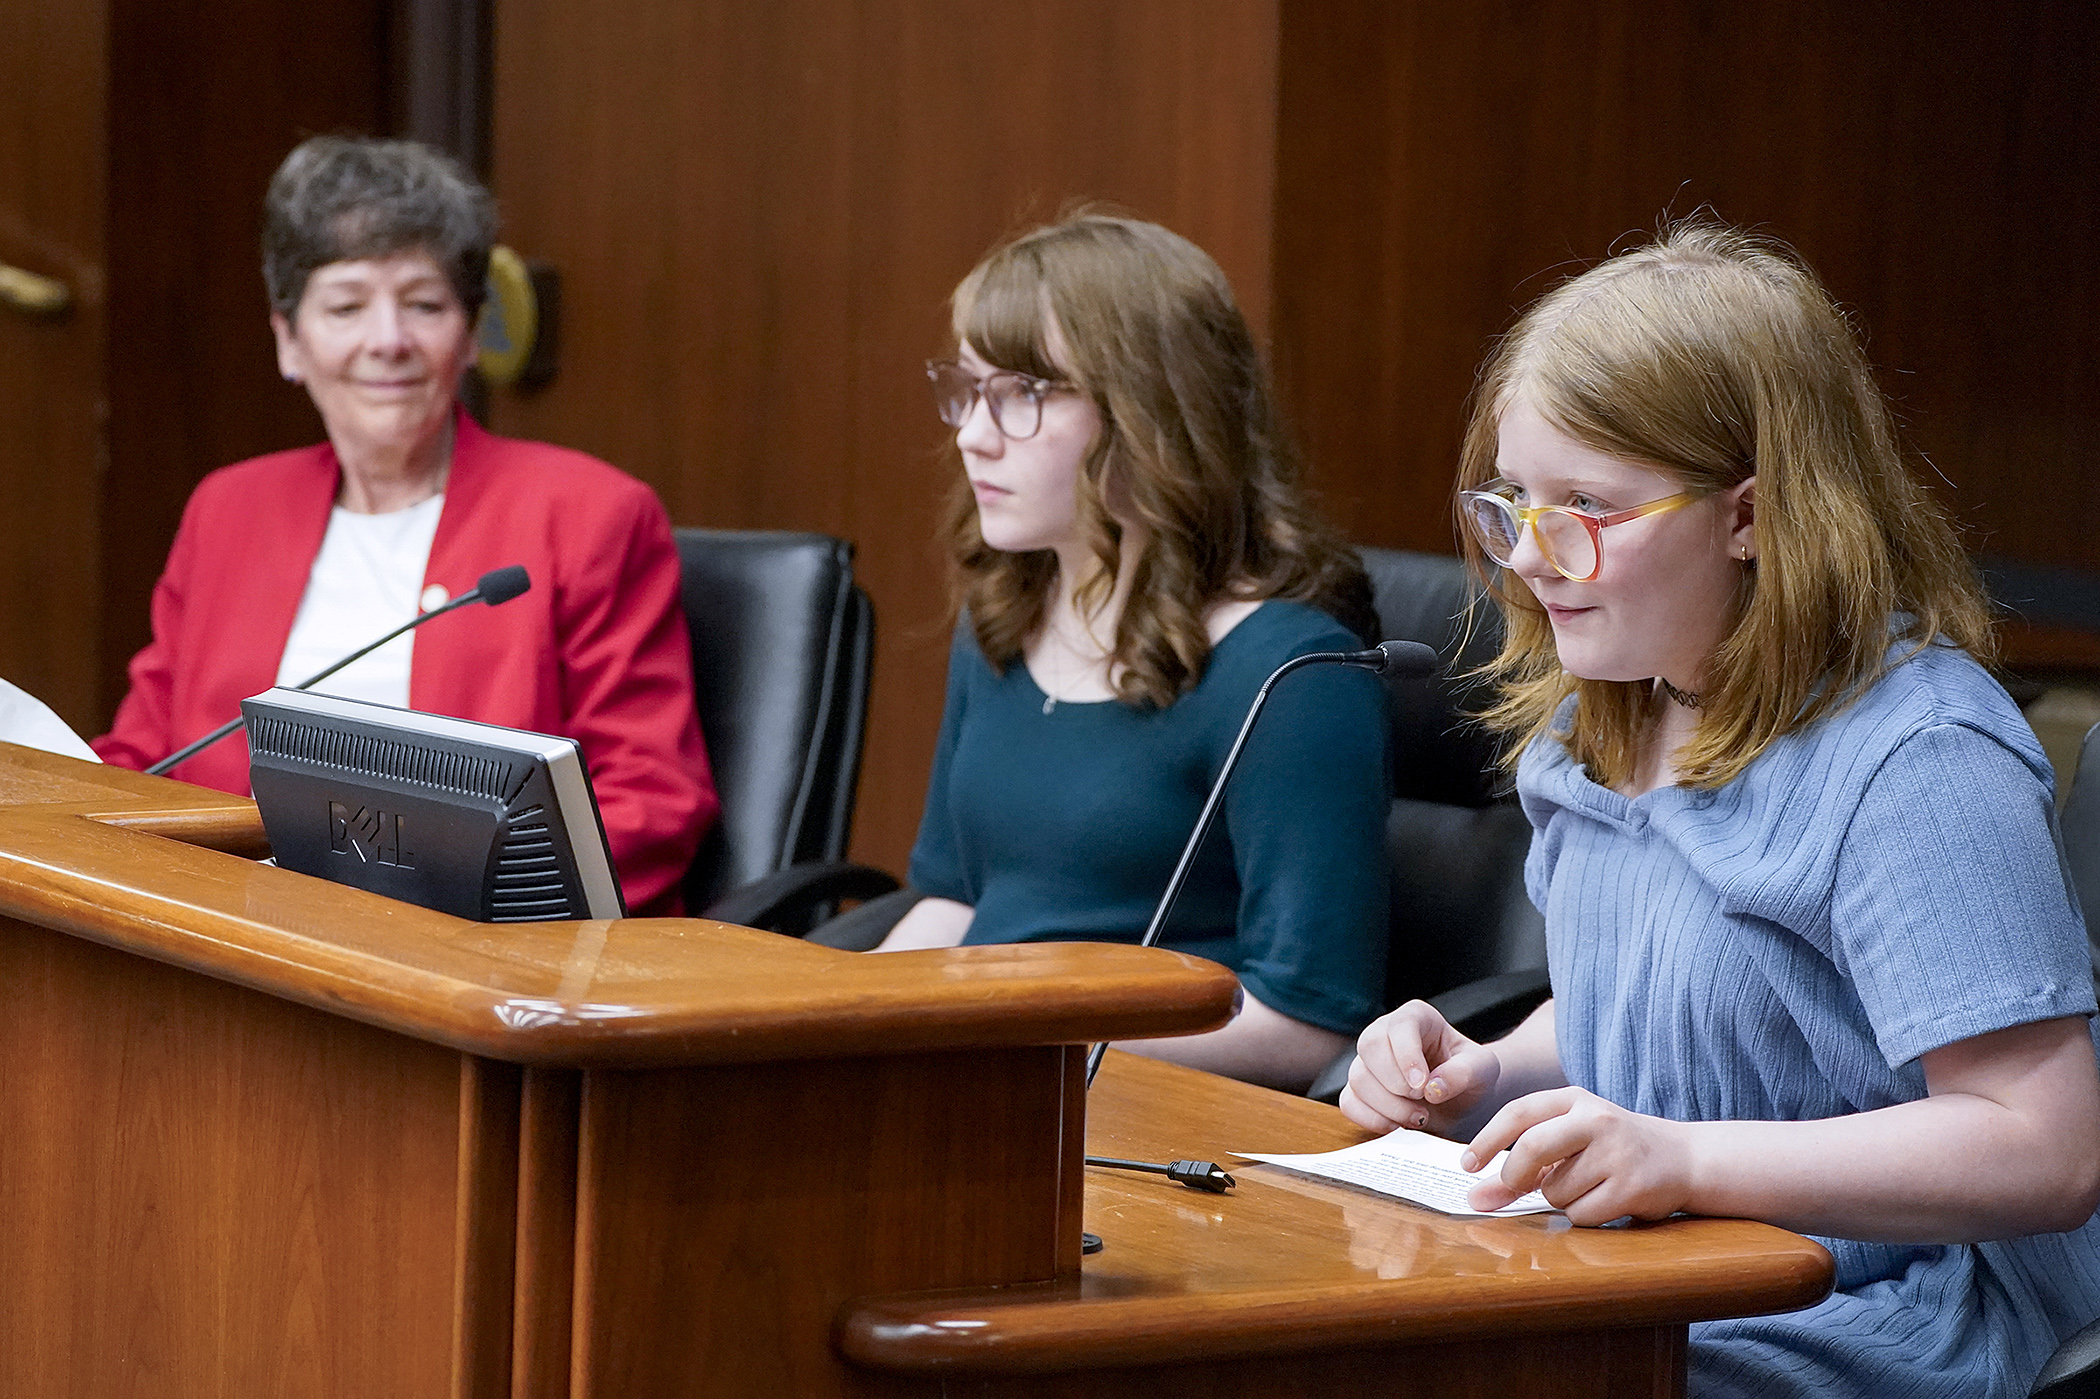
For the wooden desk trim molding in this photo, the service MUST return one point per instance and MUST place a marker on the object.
(1056, 1327)
(1169, 1293)
(595, 994)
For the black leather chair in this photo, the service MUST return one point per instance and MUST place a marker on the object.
(783, 643)
(2074, 1371)
(1464, 934)
(2081, 832)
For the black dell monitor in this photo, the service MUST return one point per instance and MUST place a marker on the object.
(493, 824)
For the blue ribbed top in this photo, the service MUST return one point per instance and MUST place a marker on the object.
(1878, 885)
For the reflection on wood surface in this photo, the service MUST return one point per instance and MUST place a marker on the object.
(1285, 1263)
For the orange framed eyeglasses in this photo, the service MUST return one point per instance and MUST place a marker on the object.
(1569, 539)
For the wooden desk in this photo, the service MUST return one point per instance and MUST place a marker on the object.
(266, 1136)
(261, 1135)
(1290, 1286)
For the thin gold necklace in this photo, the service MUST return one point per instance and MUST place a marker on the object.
(1060, 638)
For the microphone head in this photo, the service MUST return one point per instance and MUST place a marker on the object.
(500, 585)
(1407, 660)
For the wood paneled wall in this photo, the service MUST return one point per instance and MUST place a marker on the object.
(206, 97)
(1440, 165)
(759, 211)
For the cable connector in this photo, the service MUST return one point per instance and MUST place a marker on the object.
(1201, 1175)
(1196, 1175)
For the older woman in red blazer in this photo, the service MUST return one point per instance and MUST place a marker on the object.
(374, 253)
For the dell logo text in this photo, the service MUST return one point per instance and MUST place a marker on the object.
(374, 836)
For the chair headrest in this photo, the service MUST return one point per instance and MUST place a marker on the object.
(771, 616)
(1439, 753)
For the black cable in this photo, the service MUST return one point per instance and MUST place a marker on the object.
(1196, 1175)
(496, 587)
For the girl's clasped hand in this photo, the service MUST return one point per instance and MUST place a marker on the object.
(1589, 1157)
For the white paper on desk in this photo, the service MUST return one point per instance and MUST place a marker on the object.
(1409, 1165)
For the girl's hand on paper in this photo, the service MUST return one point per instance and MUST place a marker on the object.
(1413, 1070)
(1588, 1157)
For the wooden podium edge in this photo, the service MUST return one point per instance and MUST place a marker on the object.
(630, 993)
(1008, 1333)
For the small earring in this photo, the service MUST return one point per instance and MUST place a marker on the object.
(291, 379)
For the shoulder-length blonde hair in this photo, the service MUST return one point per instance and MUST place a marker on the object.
(1713, 355)
(1191, 446)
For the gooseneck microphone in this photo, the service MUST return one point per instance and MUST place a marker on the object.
(1401, 660)
(497, 586)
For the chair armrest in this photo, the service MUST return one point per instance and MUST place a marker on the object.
(2074, 1371)
(786, 900)
(1491, 1007)
(1480, 1010)
(1327, 1086)
(862, 928)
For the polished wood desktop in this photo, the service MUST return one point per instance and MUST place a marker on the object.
(260, 1134)
(1292, 1286)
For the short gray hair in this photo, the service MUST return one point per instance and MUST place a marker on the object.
(341, 198)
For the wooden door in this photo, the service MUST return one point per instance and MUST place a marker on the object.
(135, 143)
(53, 76)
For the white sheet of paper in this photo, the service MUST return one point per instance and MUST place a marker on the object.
(1409, 1165)
(25, 719)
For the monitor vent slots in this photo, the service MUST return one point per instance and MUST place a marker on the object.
(353, 752)
(529, 887)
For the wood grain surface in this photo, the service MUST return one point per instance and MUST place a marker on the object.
(485, 1228)
(132, 801)
(546, 1262)
(1440, 166)
(212, 1162)
(212, 1192)
(1287, 1264)
(759, 212)
(206, 98)
(1632, 1363)
(725, 1215)
(54, 159)
(136, 137)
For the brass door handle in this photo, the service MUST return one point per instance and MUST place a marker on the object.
(31, 294)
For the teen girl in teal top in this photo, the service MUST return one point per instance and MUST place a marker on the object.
(1055, 821)
(1132, 555)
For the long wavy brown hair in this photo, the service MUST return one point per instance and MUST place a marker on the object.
(1191, 446)
(1713, 355)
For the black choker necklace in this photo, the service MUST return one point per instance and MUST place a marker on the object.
(1688, 701)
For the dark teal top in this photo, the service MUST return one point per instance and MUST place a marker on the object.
(1063, 821)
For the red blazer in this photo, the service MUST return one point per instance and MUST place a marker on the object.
(597, 650)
